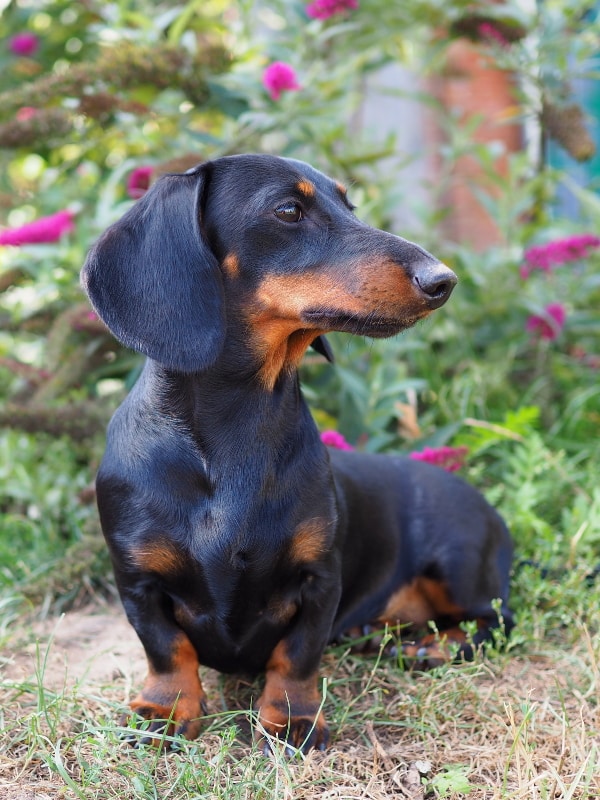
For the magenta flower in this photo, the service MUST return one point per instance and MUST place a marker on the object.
(40, 231)
(279, 77)
(336, 440)
(138, 181)
(23, 44)
(323, 9)
(448, 458)
(550, 324)
(559, 251)
(489, 31)
(25, 113)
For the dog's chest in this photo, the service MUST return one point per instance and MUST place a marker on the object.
(236, 604)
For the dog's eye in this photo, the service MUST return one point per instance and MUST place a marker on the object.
(289, 212)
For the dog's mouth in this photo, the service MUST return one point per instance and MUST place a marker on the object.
(372, 325)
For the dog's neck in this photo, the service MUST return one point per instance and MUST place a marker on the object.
(232, 397)
(279, 349)
(268, 347)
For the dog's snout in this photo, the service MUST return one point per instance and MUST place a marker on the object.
(436, 282)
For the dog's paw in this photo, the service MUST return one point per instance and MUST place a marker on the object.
(435, 650)
(168, 714)
(299, 733)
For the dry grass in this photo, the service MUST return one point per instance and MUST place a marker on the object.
(521, 725)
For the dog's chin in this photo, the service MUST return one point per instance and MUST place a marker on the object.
(375, 327)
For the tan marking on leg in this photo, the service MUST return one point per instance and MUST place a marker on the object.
(289, 707)
(422, 600)
(435, 649)
(440, 647)
(176, 695)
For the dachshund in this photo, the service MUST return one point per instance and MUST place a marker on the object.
(238, 540)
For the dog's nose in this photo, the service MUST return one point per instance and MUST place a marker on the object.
(436, 282)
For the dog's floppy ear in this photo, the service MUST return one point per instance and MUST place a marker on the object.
(155, 282)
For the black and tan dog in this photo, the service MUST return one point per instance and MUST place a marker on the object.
(238, 540)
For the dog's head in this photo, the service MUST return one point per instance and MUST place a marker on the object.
(269, 241)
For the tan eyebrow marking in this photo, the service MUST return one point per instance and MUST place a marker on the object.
(231, 265)
(306, 187)
(341, 188)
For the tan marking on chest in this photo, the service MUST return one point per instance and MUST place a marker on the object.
(156, 557)
(310, 541)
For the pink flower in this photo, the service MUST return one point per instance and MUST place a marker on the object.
(489, 31)
(559, 251)
(40, 231)
(25, 113)
(323, 9)
(23, 44)
(550, 324)
(449, 458)
(279, 77)
(336, 440)
(138, 181)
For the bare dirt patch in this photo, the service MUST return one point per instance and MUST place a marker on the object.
(81, 647)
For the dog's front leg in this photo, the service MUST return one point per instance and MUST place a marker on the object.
(172, 690)
(290, 705)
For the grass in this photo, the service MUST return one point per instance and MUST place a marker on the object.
(519, 724)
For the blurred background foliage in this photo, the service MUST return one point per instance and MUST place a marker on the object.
(97, 97)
